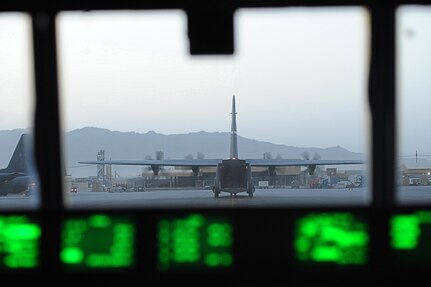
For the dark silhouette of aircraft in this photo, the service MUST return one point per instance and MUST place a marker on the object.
(17, 178)
(233, 175)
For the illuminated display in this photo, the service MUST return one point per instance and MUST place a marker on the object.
(194, 242)
(19, 242)
(410, 236)
(338, 238)
(97, 241)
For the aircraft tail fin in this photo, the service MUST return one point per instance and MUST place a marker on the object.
(233, 137)
(18, 161)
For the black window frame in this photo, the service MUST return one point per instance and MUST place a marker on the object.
(210, 29)
(210, 32)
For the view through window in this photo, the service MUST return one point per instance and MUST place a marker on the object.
(18, 177)
(143, 118)
(413, 95)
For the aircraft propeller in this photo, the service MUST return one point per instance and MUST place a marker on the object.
(195, 169)
(198, 156)
(310, 169)
(156, 169)
(273, 170)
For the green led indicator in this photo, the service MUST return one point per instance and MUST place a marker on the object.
(19, 242)
(404, 231)
(337, 238)
(97, 241)
(218, 259)
(219, 235)
(194, 242)
(99, 221)
(72, 255)
(410, 237)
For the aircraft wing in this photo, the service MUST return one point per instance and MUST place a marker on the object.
(214, 162)
(161, 162)
(299, 162)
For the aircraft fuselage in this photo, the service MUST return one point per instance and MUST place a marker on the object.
(16, 185)
(233, 176)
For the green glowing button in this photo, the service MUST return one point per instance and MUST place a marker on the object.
(97, 241)
(72, 255)
(338, 238)
(410, 237)
(404, 231)
(194, 242)
(19, 242)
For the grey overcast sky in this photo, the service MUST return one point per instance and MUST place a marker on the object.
(299, 75)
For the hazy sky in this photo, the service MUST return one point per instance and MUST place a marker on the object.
(299, 75)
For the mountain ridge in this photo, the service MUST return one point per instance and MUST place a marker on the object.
(84, 143)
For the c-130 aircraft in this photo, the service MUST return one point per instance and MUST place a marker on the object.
(233, 175)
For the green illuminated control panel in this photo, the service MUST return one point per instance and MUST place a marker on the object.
(194, 242)
(335, 238)
(19, 242)
(410, 237)
(201, 242)
(97, 241)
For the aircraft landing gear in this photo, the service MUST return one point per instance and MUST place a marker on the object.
(27, 192)
(251, 192)
(216, 192)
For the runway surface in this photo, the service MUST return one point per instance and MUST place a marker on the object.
(263, 198)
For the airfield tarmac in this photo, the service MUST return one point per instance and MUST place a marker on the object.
(263, 198)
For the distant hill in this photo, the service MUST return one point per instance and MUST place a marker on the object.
(83, 144)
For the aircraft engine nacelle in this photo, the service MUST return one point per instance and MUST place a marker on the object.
(195, 170)
(155, 168)
(311, 169)
(271, 171)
